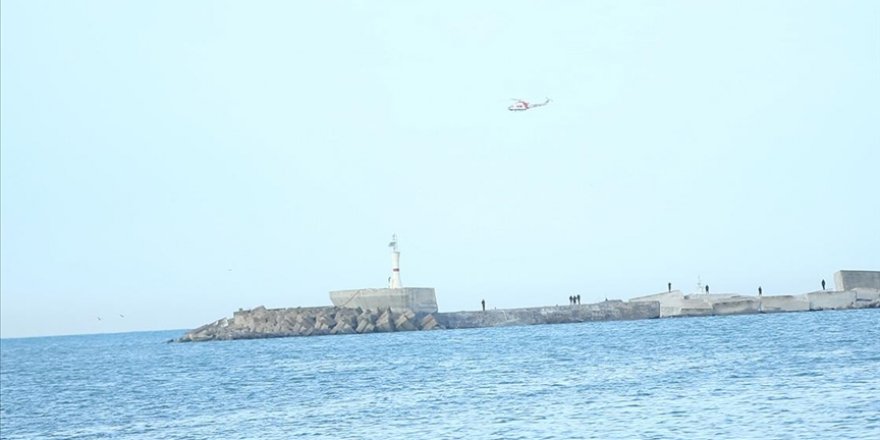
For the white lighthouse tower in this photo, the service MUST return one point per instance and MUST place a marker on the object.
(394, 280)
(395, 297)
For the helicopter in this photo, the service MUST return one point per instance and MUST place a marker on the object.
(522, 105)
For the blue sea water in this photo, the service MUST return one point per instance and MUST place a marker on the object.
(798, 375)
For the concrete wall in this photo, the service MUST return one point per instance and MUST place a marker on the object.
(852, 279)
(784, 303)
(867, 294)
(417, 299)
(737, 306)
(832, 300)
(604, 311)
(663, 296)
(676, 304)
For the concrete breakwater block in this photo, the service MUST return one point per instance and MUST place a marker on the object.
(686, 306)
(261, 322)
(404, 322)
(342, 328)
(604, 311)
(832, 300)
(429, 323)
(736, 307)
(365, 326)
(867, 297)
(385, 322)
(323, 325)
(784, 303)
(675, 303)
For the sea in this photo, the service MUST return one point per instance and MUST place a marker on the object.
(813, 375)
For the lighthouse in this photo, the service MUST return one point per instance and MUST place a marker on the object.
(394, 280)
(395, 297)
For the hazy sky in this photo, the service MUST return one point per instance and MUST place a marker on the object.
(173, 161)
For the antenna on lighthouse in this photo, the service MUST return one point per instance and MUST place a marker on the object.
(394, 280)
(393, 243)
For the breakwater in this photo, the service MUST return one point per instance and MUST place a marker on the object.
(603, 311)
(261, 322)
(675, 303)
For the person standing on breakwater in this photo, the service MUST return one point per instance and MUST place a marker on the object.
(669, 287)
(484, 304)
(579, 298)
(823, 284)
(760, 291)
(707, 288)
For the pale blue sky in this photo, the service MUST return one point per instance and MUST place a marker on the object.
(149, 147)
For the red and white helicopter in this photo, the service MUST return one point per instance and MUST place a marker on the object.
(521, 105)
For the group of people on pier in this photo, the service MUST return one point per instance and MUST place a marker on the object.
(574, 300)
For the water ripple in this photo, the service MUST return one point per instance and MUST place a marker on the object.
(799, 375)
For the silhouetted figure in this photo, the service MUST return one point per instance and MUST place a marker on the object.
(484, 304)
(579, 298)
(707, 288)
(823, 284)
(669, 287)
(760, 291)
